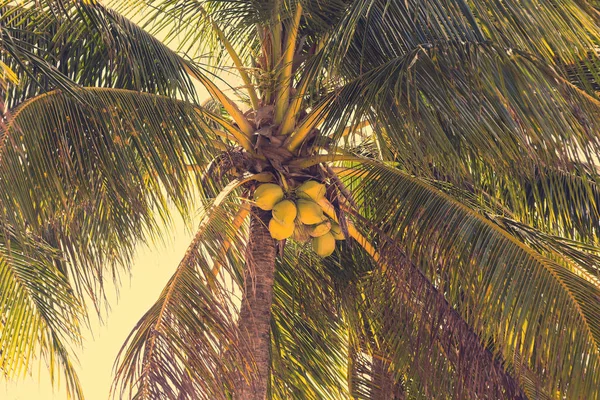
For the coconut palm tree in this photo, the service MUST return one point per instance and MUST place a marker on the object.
(453, 145)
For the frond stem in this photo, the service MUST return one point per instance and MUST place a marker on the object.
(239, 136)
(236, 60)
(237, 222)
(185, 262)
(316, 117)
(285, 79)
(233, 110)
(323, 158)
(353, 128)
(289, 119)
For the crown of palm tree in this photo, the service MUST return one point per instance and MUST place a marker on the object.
(458, 145)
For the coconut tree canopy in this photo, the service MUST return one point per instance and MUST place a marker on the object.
(438, 160)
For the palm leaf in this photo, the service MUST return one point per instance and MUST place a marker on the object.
(398, 317)
(580, 257)
(424, 336)
(86, 45)
(40, 316)
(442, 110)
(93, 179)
(309, 339)
(508, 293)
(371, 33)
(188, 25)
(203, 361)
(558, 202)
(178, 349)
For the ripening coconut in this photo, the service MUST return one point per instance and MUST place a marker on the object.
(280, 231)
(267, 195)
(324, 245)
(311, 190)
(309, 212)
(285, 212)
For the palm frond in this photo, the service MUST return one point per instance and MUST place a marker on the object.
(520, 301)
(397, 317)
(559, 32)
(443, 108)
(95, 178)
(578, 257)
(40, 316)
(309, 339)
(544, 234)
(184, 347)
(86, 45)
(185, 24)
(425, 337)
(563, 34)
(560, 203)
(24, 60)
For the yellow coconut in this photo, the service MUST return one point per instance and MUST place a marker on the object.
(285, 212)
(311, 190)
(309, 212)
(280, 231)
(267, 195)
(324, 245)
(301, 233)
(336, 231)
(320, 229)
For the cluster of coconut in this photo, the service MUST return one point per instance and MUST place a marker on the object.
(299, 216)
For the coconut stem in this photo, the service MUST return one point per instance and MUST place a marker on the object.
(352, 231)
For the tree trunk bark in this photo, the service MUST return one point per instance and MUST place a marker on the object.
(255, 314)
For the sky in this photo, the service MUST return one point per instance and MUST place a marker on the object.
(151, 270)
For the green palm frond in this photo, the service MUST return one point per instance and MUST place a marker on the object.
(94, 179)
(197, 309)
(309, 339)
(557, 201)
(348, 271)
(509, 294)
(398, 317)
(559, 32)
(563, 34)
(86, 45)
(40, 316)
(185, 24)
(469, 204)
(578, 257)
(577, 205)
(432, 349)
(447, 106)
(24, 60)
(184, 346)
(424, 336)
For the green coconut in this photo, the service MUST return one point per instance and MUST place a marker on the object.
(267, 195)
(320, 229)
(311, 190)
(280, 231)
(285, 212)
(336, 231)
(324, 245)
(309, 212)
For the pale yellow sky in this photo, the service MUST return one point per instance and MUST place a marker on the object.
(151, 271)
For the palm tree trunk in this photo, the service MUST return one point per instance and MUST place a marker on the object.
(255, 314)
